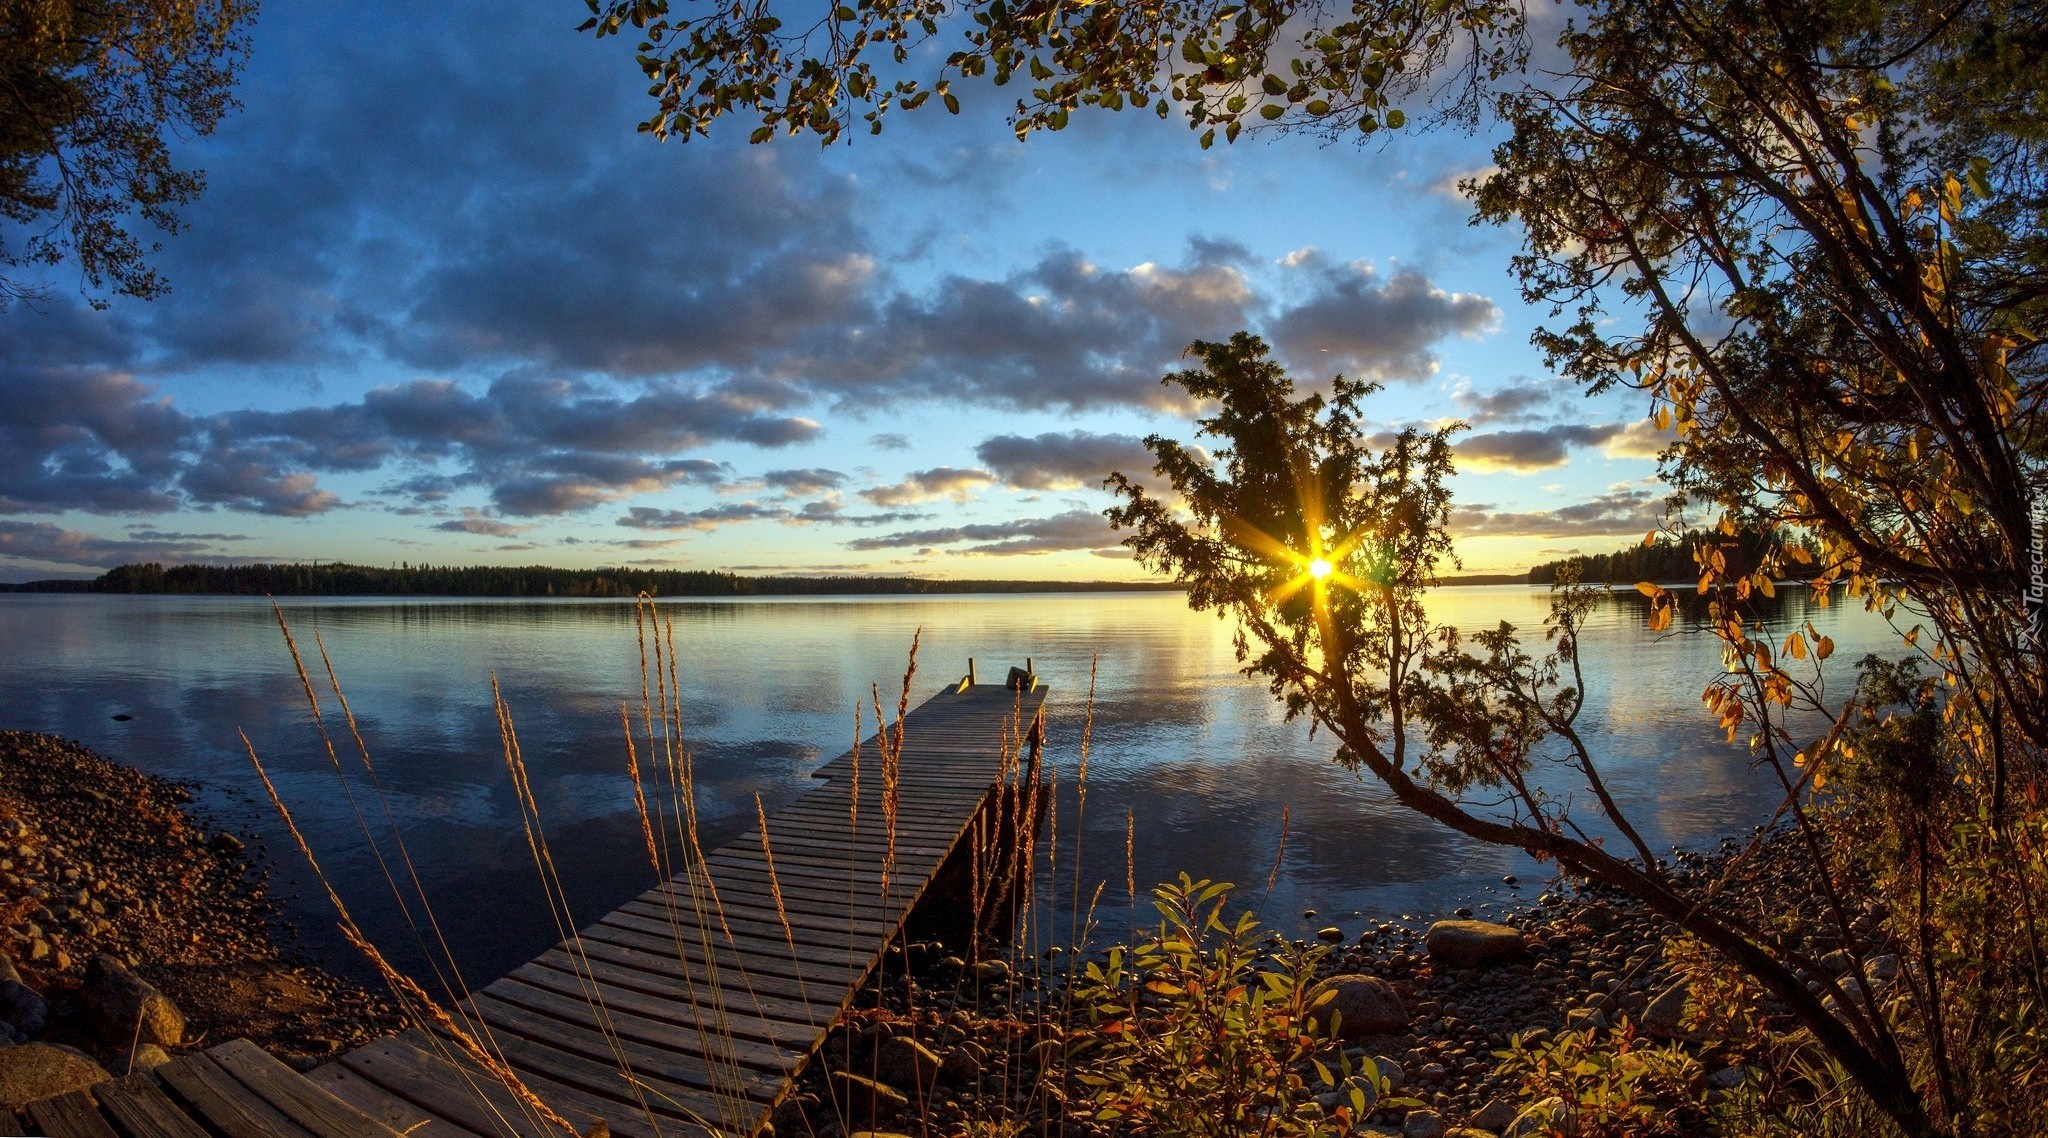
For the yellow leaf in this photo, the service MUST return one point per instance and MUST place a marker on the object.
(1913, 637)
(1647, 589)
(1823, 648)
(1795, 646)
(1764, 582)
(1650, 538)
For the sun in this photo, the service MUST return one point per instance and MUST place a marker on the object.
(1320, 569)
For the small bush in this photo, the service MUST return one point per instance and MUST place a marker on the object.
(1608, 1085)
(1201, 1029)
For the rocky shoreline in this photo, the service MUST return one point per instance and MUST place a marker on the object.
(126, 922)
(959, 1048)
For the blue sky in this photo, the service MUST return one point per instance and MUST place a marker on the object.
(442, 303)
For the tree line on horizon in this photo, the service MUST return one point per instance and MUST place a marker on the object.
(335, 579)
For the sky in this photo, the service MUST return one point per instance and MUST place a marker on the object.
(441, 302)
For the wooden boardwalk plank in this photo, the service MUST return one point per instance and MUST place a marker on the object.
(141, 1109)
(385, 1107)
(294, 1097)
(219, 1098)
(70, 1115)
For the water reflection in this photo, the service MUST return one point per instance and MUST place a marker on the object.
(1198, 754)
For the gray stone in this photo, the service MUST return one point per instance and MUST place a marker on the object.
(122, 1006)
(147, 1057)
(23, 1007)
(1469, 944)
(1330, 935)
(1496, 1115)
(904, 1062)
(1666, 1015)
(962, 1064)
(1045, 1053)
(864, 1098)
(1882, 969)
(1359, 1005)
(1422, 1124)
(1727, 1078)
(992, 971)
(1585, 1019)
(1543, 1116)
(38, 1070)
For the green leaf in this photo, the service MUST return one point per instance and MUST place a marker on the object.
(1395, 118)
(1271, 111)
(1208, 138)
(1275, 85)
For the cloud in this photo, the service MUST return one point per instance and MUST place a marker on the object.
(473, 521)
(926, 485)
(1621, 512)
(1075, 529)
(46, 543)
(1640, 439)
(1062, 460)
(78, 438)
(798, 483)
(1516, 403)
(1528, 450)
(889, 441)
(1357, 324)
(709, 518)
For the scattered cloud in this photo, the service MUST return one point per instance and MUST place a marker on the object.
(476, 522)
(1622, 511)
(1062, 460)
(889, 441)
(1356, 323)
(1519, 402)
(802, 483)
(926, 485)
(1640, 439)
(44, 543)
(1073, 530)
(1529, 449)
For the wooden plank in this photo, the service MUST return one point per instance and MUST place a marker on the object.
(712, 1043)
(598, 1085)
(661, 961)
(759, 907)
(743, 935)
(12, 1123)
(734, 967)
(385, 1107)
(69, 1115)
(797, 1025)
(221, 1099)
(294, 1097)
(463, 1096)
(140, 1109)
(801, 930)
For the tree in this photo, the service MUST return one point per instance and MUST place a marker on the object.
(92, 91)
(1812, 233)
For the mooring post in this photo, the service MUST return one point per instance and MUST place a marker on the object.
(970, 671)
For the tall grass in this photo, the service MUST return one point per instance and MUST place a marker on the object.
(998, 848)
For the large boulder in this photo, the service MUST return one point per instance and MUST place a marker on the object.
(904, 1062)
(1667, 1015)
(38, 1070)
(1469, 944)
(122, 1006)
(1359, 1005)
(865, 1099)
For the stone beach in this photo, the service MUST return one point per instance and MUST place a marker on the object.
(130, 930)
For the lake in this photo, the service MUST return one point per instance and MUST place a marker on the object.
(1196, 753)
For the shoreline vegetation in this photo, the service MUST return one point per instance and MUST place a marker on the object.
(1664, 560)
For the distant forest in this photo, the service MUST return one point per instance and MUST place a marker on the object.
(338, 579)
(1664, 561)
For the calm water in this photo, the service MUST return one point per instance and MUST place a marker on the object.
(1197, 753)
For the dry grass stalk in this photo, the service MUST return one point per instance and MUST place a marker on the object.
(409, 994)
(1279, 855)
(362, 823)
(558, 898)
(775, 891)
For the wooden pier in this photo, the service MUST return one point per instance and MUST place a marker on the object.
(676, 1013)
